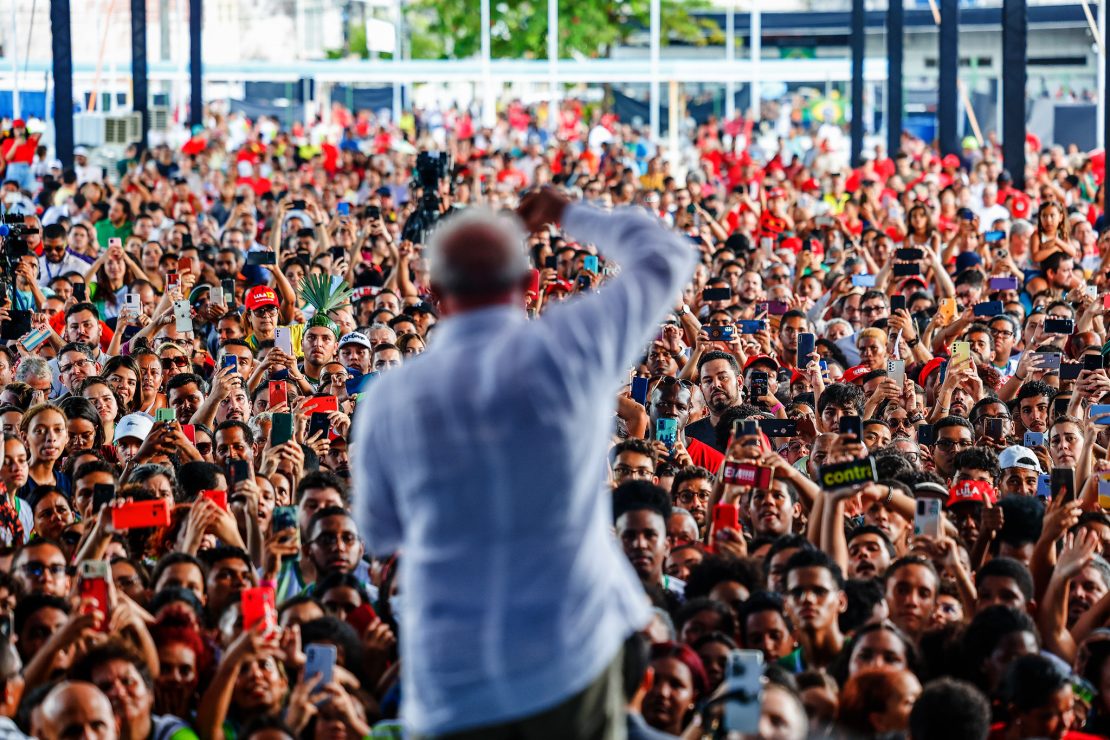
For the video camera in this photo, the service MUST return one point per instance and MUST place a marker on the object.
(13, 245)
(431, 169)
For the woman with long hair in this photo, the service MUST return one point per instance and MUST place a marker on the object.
(122, 375)
(45, 433)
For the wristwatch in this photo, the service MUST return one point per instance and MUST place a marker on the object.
(684, 310)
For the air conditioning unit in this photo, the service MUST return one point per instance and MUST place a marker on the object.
(159, 118)
(122, 129)
(88, 129)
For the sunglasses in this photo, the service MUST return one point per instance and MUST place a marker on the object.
(168, 363)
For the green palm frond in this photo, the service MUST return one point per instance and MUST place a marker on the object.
(324, 292)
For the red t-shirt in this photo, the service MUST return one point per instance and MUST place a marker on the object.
(703, 455)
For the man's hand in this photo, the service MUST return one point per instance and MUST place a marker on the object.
(542, 207)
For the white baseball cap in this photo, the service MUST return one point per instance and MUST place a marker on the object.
(136, 425)
(1016, 456)
(356, 337)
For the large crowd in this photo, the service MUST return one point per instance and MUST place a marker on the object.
(868, 442)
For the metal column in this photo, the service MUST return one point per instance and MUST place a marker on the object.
(63, 81)
(196, 65)
(895, 52)
(856, 42)
(1015, 24)
(653, 116)
(140, 93)
(948, 62)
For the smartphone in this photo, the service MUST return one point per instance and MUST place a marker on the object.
(219, 498)
(909, 254)
(988, 308)
(1033, 439)
(231, 361)
(1100, 410)
(1070, 370)
(993, 428)
(666, 431)
(285, 517)
(947, 309)
(261, 258)
(373, 212)
(190, 432)
(1054, 325)
(1060, 404)
(551, 263)
(896, 371)
(748, 474)
(258, 607)
(767, 243)
(132, 302)
(758, 384)
(279, 393)
(751, 326)
(228, 284)
(897, 302)
(319, 662)
(852, 425)
(721, 333)
(726, 516)
(318, 422)
(926, 518)
(320, 405)
(777, 308)
(183, 316)
(961, 352)
(745, 428)
(103, 493)
(343, 208)
(142, 514)
(716, 294)
(640, 390)
(903, 269)
(283, 339)
(34, 338)
(589, 264)
(1044, 487)
(1049, 360)
(165, 414)
(185, 264)
(281, 429)
(80, 292)
(18, 324)
(237, 470)
(779, 427)
(744, 689)
(807, 345)
(115, 241)
(1092, 362)
(172, 280)
(1003, 283)
(863, 281)
(93, 589)
(299, 205)
(994, 236)
(337, 253)
(361, 617)
(1104, 490)
(926, 434)
(1063, 483)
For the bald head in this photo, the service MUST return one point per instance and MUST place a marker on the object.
(76, 709)
(477, 254)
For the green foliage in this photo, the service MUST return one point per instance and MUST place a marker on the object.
(450, 29)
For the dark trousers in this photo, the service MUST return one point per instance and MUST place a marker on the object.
(596, 713)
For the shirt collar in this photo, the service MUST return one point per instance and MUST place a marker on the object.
(478, 321)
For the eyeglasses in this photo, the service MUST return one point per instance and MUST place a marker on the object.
(331, 539)
(952, 444)
(1001, 333)
(264, 310)
(874, 308)
(38, 570)
(687, 497)
(669, 380)
(168, 363)
(83, 362)
(623, 471)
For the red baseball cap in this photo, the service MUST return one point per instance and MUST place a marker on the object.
(261, 295)
(19, 123)
(852, 374)
(950, 161)
(762, 358)
(1020, 205)
(970, 492)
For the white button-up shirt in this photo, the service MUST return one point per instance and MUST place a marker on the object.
(482, 461)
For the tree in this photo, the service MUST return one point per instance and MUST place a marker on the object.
(450, 29)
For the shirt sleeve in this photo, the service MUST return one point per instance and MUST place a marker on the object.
(607, 331)
(374, 503)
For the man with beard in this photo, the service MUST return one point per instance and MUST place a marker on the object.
(227, 259)
(870, 552)
(1034, 401)
(718, 376)
(333, 546)
(691, 490)
(815, 599)
(640, 511)
(954, 435)
(1080, 579)
(671, 399)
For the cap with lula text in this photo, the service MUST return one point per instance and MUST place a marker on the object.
(261, 295)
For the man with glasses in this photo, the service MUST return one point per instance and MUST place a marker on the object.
(82, 326)
(333, 545)
(954, 435)
(75, 363)
(1004, 330)
(39, 567)
(691, 490)
(993, 423)
(672, 399)
(56, 259)
(873, 305)
(633, 459)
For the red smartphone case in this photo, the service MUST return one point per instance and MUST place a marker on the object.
(140, 514)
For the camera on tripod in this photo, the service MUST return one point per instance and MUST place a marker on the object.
(431, 169)
(13, 246)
